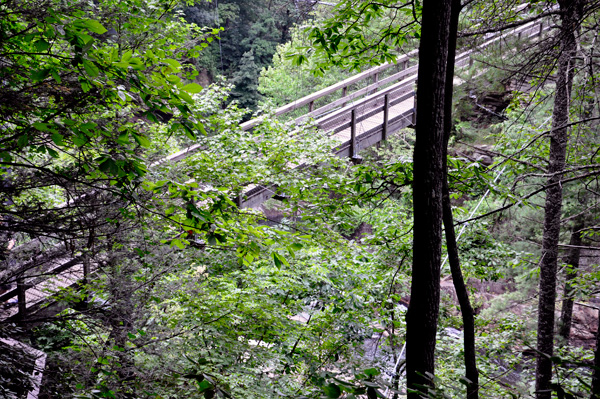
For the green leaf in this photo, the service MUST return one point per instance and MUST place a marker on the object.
(56, 77)
(58, 138)
(41, 45)
(186, 97)
(137, 64)
(52, 152)
(371, 372)
(103, 360)
(192, 88)
(141, 140)
(108, 165)
(296, 246)
(173, 63)
(332, 391)
(91, 68)
(178, 243)
(93, 26)
(40, 74)
(204, 385)
(43, 127)
(80, 140)
(279, 260)
(23, 140)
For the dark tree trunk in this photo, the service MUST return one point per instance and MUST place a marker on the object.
(422, 315)
(596, 374)
(566, 314)
(459, 284)
(553, 205)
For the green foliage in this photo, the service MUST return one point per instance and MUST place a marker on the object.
(83, 97)
(249, 27)
(360, 33)
(283, 81)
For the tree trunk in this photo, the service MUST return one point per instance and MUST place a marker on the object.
(422, 315)
(566, 314)
(596, 374)
(558, 147)
(466, 309)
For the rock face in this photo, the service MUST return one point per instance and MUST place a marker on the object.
(585, 324)
(478, 153)
(363, 229)
(585, 311)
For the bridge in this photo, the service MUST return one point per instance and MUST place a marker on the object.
(356, 120)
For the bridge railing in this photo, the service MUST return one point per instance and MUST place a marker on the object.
(371, 74)
(405, 65)
(343, 87)
(384, 100)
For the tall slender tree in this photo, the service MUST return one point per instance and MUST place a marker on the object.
(472, 374)
(422, 316)
(596, 374)
(559, 137)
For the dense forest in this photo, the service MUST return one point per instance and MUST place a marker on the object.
(456, 258)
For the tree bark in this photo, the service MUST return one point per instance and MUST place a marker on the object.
(566, 314)
(553, 205)
(596, 374)
(471, 372)
(422, 315)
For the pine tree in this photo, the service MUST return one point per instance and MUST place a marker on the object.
(246, 82)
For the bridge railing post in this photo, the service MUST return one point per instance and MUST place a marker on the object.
(386, 114)
(414, 113)
(353, 134)
(311, 106)
(21, 288)
(375, 80)
(344, 94)
(86, 276)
